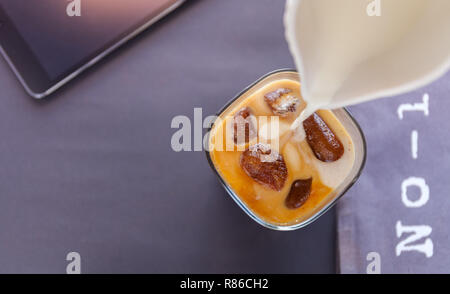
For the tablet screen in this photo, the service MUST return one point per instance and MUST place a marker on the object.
(63, 34)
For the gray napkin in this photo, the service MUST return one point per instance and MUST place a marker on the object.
(394, 220)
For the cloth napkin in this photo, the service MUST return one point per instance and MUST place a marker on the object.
(395, 219)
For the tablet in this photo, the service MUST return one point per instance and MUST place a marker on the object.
(49, 42)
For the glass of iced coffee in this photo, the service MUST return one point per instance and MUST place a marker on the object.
(284, 178)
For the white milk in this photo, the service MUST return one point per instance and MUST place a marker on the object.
(344, 56)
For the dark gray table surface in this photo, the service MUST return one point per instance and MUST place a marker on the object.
(91, 169)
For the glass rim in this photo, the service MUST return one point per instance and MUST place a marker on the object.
(242, 204)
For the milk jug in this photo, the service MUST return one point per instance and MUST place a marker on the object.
(351, 51)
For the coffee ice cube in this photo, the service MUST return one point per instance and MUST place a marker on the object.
(325, 145)
(265, 166)
(299, 193)
(282, 101)
(244, 126)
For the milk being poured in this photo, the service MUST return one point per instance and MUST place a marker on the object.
(346, 54)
